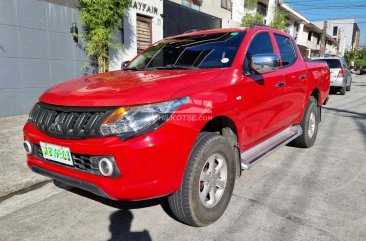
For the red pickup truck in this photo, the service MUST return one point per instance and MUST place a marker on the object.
(183, 119)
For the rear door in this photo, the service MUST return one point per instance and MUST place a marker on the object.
(295, 73)
(262, 93)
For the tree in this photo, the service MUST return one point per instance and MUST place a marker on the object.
(250, 18)
(100, 20)
(280, 20)
(357, 57)
(250, 4)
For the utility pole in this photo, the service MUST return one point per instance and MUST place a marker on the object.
(338, 41)
(324, 42)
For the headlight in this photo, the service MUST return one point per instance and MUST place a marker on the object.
(128, 122)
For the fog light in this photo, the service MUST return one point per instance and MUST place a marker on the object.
(27, 147)
(105, 167)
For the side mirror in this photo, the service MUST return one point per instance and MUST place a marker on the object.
(264, 63)
(124, 64)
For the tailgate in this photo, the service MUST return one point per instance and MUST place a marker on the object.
(334, 74)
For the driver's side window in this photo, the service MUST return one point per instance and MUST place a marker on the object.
(261, 44)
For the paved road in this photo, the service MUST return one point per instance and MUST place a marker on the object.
(295, 194)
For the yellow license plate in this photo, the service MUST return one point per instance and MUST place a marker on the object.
(57, 153)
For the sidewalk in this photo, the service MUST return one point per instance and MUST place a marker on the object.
(15, 174)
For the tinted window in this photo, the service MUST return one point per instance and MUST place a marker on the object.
(216, 50)
(261, 44)
(332, 63)
(287, 50)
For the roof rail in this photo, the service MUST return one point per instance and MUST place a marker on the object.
(259, 24)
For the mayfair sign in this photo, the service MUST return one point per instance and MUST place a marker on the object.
(144, 7)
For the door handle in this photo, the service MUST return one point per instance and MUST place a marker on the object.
(280, 84)
(302, 77)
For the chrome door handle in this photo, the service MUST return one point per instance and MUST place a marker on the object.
(280, 84)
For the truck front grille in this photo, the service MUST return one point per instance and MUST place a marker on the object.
(69, 122)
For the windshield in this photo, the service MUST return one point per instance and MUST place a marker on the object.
(332, 63)
(215, 50)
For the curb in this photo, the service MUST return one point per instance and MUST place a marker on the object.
(25, 190)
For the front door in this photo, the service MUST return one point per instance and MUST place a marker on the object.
(262, 94)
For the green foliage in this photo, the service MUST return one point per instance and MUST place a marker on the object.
(358, 57)
(250, 4)
(359, 63)
(100, 20)
(280, 20)
(250, 19)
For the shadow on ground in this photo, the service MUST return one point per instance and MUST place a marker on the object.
(120, 227)
(120, 220)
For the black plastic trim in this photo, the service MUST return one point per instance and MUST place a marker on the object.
(77, 108)
(87, 186)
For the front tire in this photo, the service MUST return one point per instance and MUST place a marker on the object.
(208, 182)
(309, 125)
(348, 88)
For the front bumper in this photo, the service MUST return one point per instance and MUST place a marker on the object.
(151, 165)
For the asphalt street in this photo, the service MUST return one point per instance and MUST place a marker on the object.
(295, 194)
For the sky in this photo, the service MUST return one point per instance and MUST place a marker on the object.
(316, 10)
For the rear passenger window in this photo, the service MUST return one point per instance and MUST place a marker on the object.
(287, 50)
(261, 44)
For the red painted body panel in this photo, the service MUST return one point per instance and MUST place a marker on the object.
(153, 164)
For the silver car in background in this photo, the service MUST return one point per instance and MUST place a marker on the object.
(340, 75)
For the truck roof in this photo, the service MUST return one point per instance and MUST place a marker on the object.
(209, 31)
(223, 30)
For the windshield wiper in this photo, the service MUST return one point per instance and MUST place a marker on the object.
(133, 69)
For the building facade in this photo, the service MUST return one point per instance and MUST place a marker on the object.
(308, 36)
(142, 25)
(345, 31)
(37, 50)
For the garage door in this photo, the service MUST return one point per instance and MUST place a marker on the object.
(179, 19)
(143, 33)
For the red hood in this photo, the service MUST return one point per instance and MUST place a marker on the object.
(120, 88)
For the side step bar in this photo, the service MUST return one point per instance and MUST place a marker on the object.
(257, 153)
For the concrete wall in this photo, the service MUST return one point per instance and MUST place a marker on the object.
(36, 51)
(312, 44)
(238, 11)
(212, 7)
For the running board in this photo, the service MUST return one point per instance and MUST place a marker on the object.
(257, 153)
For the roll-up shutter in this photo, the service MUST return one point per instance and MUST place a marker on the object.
(143, 26)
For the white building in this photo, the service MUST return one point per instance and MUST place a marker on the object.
(142, 25)
(149, 21)
(345, 31)
(307, 34)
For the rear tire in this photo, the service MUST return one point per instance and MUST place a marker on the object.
(309, 125)
(342, 90)
(208, 182)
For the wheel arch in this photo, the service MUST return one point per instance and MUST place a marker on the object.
(316, 94)
(226, 127)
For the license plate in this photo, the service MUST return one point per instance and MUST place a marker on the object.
(57, 153)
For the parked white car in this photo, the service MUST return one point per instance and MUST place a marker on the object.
(340, 74)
